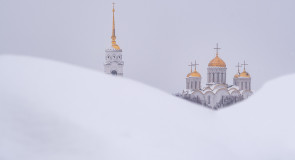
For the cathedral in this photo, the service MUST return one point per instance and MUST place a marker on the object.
(113, 55)
(217, 93)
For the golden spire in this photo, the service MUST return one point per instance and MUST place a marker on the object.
(114, 44)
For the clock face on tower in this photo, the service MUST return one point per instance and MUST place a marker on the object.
(114, 72)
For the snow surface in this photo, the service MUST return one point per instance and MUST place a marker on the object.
(55, 111)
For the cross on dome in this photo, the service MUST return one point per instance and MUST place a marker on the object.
(238, 67)
(217, 49)
(195, 64)
(191, 65)
(244, 64)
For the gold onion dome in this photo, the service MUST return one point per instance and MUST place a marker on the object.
(245, 74)
(194, 74)
(237, 75)
(217, 62)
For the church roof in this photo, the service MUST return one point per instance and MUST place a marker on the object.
(245, 74)
(217, 62)
(194, 74)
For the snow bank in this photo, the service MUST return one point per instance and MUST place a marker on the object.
(55, 111)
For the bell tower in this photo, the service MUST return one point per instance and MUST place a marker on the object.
(113, 55)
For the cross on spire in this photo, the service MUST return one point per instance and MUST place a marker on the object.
(244, 64)
(238, 67)
(217, 49)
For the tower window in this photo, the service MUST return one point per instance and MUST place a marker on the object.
(209, 99)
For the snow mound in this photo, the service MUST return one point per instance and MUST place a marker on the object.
(55, 111)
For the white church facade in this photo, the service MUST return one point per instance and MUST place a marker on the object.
(217, 93)
(113, 55)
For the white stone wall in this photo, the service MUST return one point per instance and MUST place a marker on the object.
(247, 93)
(113, 62)
(193, 83)
(221, 93)
(243, 83)
(210, 99)
(216, 75)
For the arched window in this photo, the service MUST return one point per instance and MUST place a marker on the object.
(209, 99)
(114, 72)
(242, 86)
(195, 84)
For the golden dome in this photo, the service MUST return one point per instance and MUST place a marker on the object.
(217, 62)
(245, 74)
(237, 75)
(194, 74)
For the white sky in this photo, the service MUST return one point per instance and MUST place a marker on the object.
(159, 38)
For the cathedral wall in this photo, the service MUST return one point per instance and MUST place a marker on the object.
(216, 75)
(209, 98)
(221, 93)
(193, 83)
(247, 94)
(198, 96)
(235, 93)
(243, 83)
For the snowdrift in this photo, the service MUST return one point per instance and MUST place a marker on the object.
(55, 111)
